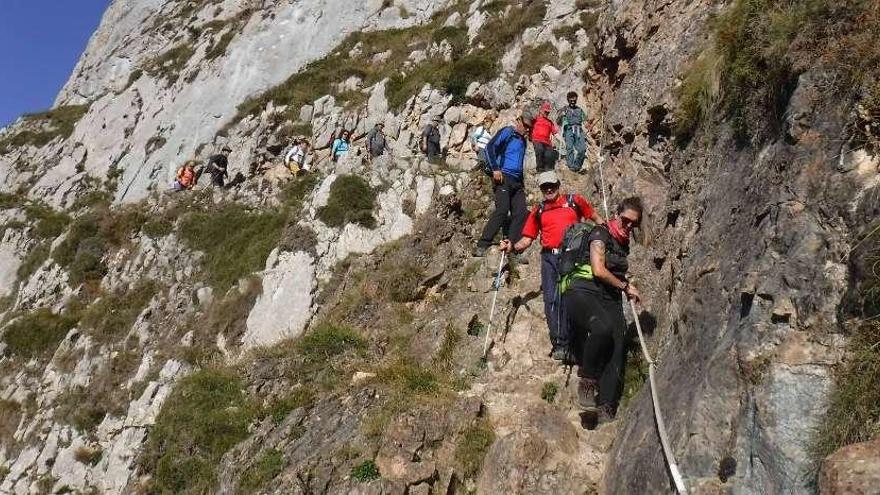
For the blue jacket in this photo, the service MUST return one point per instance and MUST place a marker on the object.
(507, 152)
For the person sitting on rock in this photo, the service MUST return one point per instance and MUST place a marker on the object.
(376, 143)
(550, 219)
(506, 153)
(218, 166)
(295, 158)
(186, 176)
(595, 314)
(430, 141)
(572, 118)
(341, 145)
(480, 138)
(542, 139)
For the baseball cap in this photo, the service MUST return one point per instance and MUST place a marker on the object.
(548, 177)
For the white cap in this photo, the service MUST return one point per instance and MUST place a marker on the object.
(548, 177)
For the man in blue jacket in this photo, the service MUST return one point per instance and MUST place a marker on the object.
(506, 153)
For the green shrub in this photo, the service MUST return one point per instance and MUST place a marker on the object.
(112, 315)
(264, 470)
(33, 260)
(235, 240)
(759, 49)
(219, 49)
(207, 414)
(92, 236)
(170, 63)
(535, 57)
(10, 416)
(328, 340)
(158, 227)
(472, 446)
(468, 69)
(36, 333)
(11, 200)
(44, 127)
(351, 201)
(79, 408)
(635, 375)
(854, 411)
(365, 471)
(549, 391)
(48, 223)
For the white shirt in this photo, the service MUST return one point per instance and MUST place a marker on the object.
(297, 154)
(481, 137)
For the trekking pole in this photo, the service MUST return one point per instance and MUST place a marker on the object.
(661, 426)
(496, 285)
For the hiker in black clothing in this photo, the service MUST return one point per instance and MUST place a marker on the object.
(376, 143)
(217, 166)
(430, 142)
(593, 305)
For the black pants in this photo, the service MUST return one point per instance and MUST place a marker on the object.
(545, 157)
(510, 199)
(598, 331)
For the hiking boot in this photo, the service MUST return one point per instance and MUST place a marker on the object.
(605, 414)
(479, 252)
(569, 359)
(586, 394)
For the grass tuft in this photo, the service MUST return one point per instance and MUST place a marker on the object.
(472, 446)
(235, 240)
(206, 415)
(36, 333)
(366, 471)
(351, 200)
(260, 473)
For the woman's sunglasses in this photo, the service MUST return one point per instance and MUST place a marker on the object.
(549, 188)
(627, 222)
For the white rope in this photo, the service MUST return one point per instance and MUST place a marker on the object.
(495, 286)
(674, 471)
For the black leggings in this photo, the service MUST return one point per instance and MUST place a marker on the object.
(598, 332)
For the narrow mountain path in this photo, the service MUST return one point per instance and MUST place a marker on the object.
(530, 398)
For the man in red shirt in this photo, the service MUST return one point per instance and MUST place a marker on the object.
(550, 219)
(543, 131)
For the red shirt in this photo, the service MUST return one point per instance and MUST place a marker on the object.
(542, 129)
(555, 218)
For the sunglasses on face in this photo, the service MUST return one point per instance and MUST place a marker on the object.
(629, 223)
(549, 188)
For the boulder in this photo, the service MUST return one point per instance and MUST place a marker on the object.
(854, 469)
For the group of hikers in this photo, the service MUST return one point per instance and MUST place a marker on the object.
(583, 256)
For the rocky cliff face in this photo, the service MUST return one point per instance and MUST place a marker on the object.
(283, 336)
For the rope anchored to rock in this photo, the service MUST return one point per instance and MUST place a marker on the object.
(674, 471)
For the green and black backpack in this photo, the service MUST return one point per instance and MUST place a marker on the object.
(575, 256)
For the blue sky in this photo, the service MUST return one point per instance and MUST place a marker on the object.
(41, 42)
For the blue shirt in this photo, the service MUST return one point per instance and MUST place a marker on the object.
(507, 152)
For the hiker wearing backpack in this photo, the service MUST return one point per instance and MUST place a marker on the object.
(376, 143)
(341, 145)
(572, 118)
(591, 292)
(185, 178)
(218, 166)
(430, 141)
(542, 139)
(550, 220)
(506, 153)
